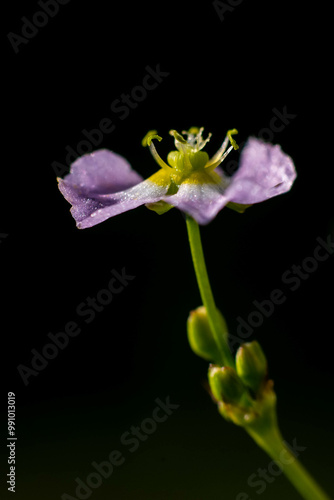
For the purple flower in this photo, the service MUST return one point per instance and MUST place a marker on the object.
(102, 184)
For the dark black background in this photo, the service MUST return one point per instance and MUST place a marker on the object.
(221, 74)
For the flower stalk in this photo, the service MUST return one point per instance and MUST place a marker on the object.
(242, 391)
(102, 184)
(269, 438)
(205, 290)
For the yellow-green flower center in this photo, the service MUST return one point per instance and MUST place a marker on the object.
(188, 160)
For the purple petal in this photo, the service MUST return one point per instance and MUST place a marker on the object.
(102, 172)
(201, 197)
(88, 212)
(264, 171)
(103, 184)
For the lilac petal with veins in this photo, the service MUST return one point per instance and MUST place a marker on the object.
(103, 184)
(102, 172)
(89, 211)
(201, 196)
(264, 171)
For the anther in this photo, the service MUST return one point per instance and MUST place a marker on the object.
(147, 141)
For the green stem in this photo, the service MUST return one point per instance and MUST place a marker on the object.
(205, 290)
(272, 443)
(264, 430)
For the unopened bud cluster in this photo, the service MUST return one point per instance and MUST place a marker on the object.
(241, 392)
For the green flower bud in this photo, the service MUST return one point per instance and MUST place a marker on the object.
(200, 335)
(251, 365)
(237, 207)
(225, 384)
(160, 207)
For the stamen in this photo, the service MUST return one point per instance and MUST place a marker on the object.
(151, 134)
(192, 130)
(202, 142)
(232, 141)
(178, 137)
(147, 141)
(211, 166)
(194, 138)
(216, 157)
(219, 153)
(191, 135)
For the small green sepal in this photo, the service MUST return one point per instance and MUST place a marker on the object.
(160, 207)
(238, 207)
